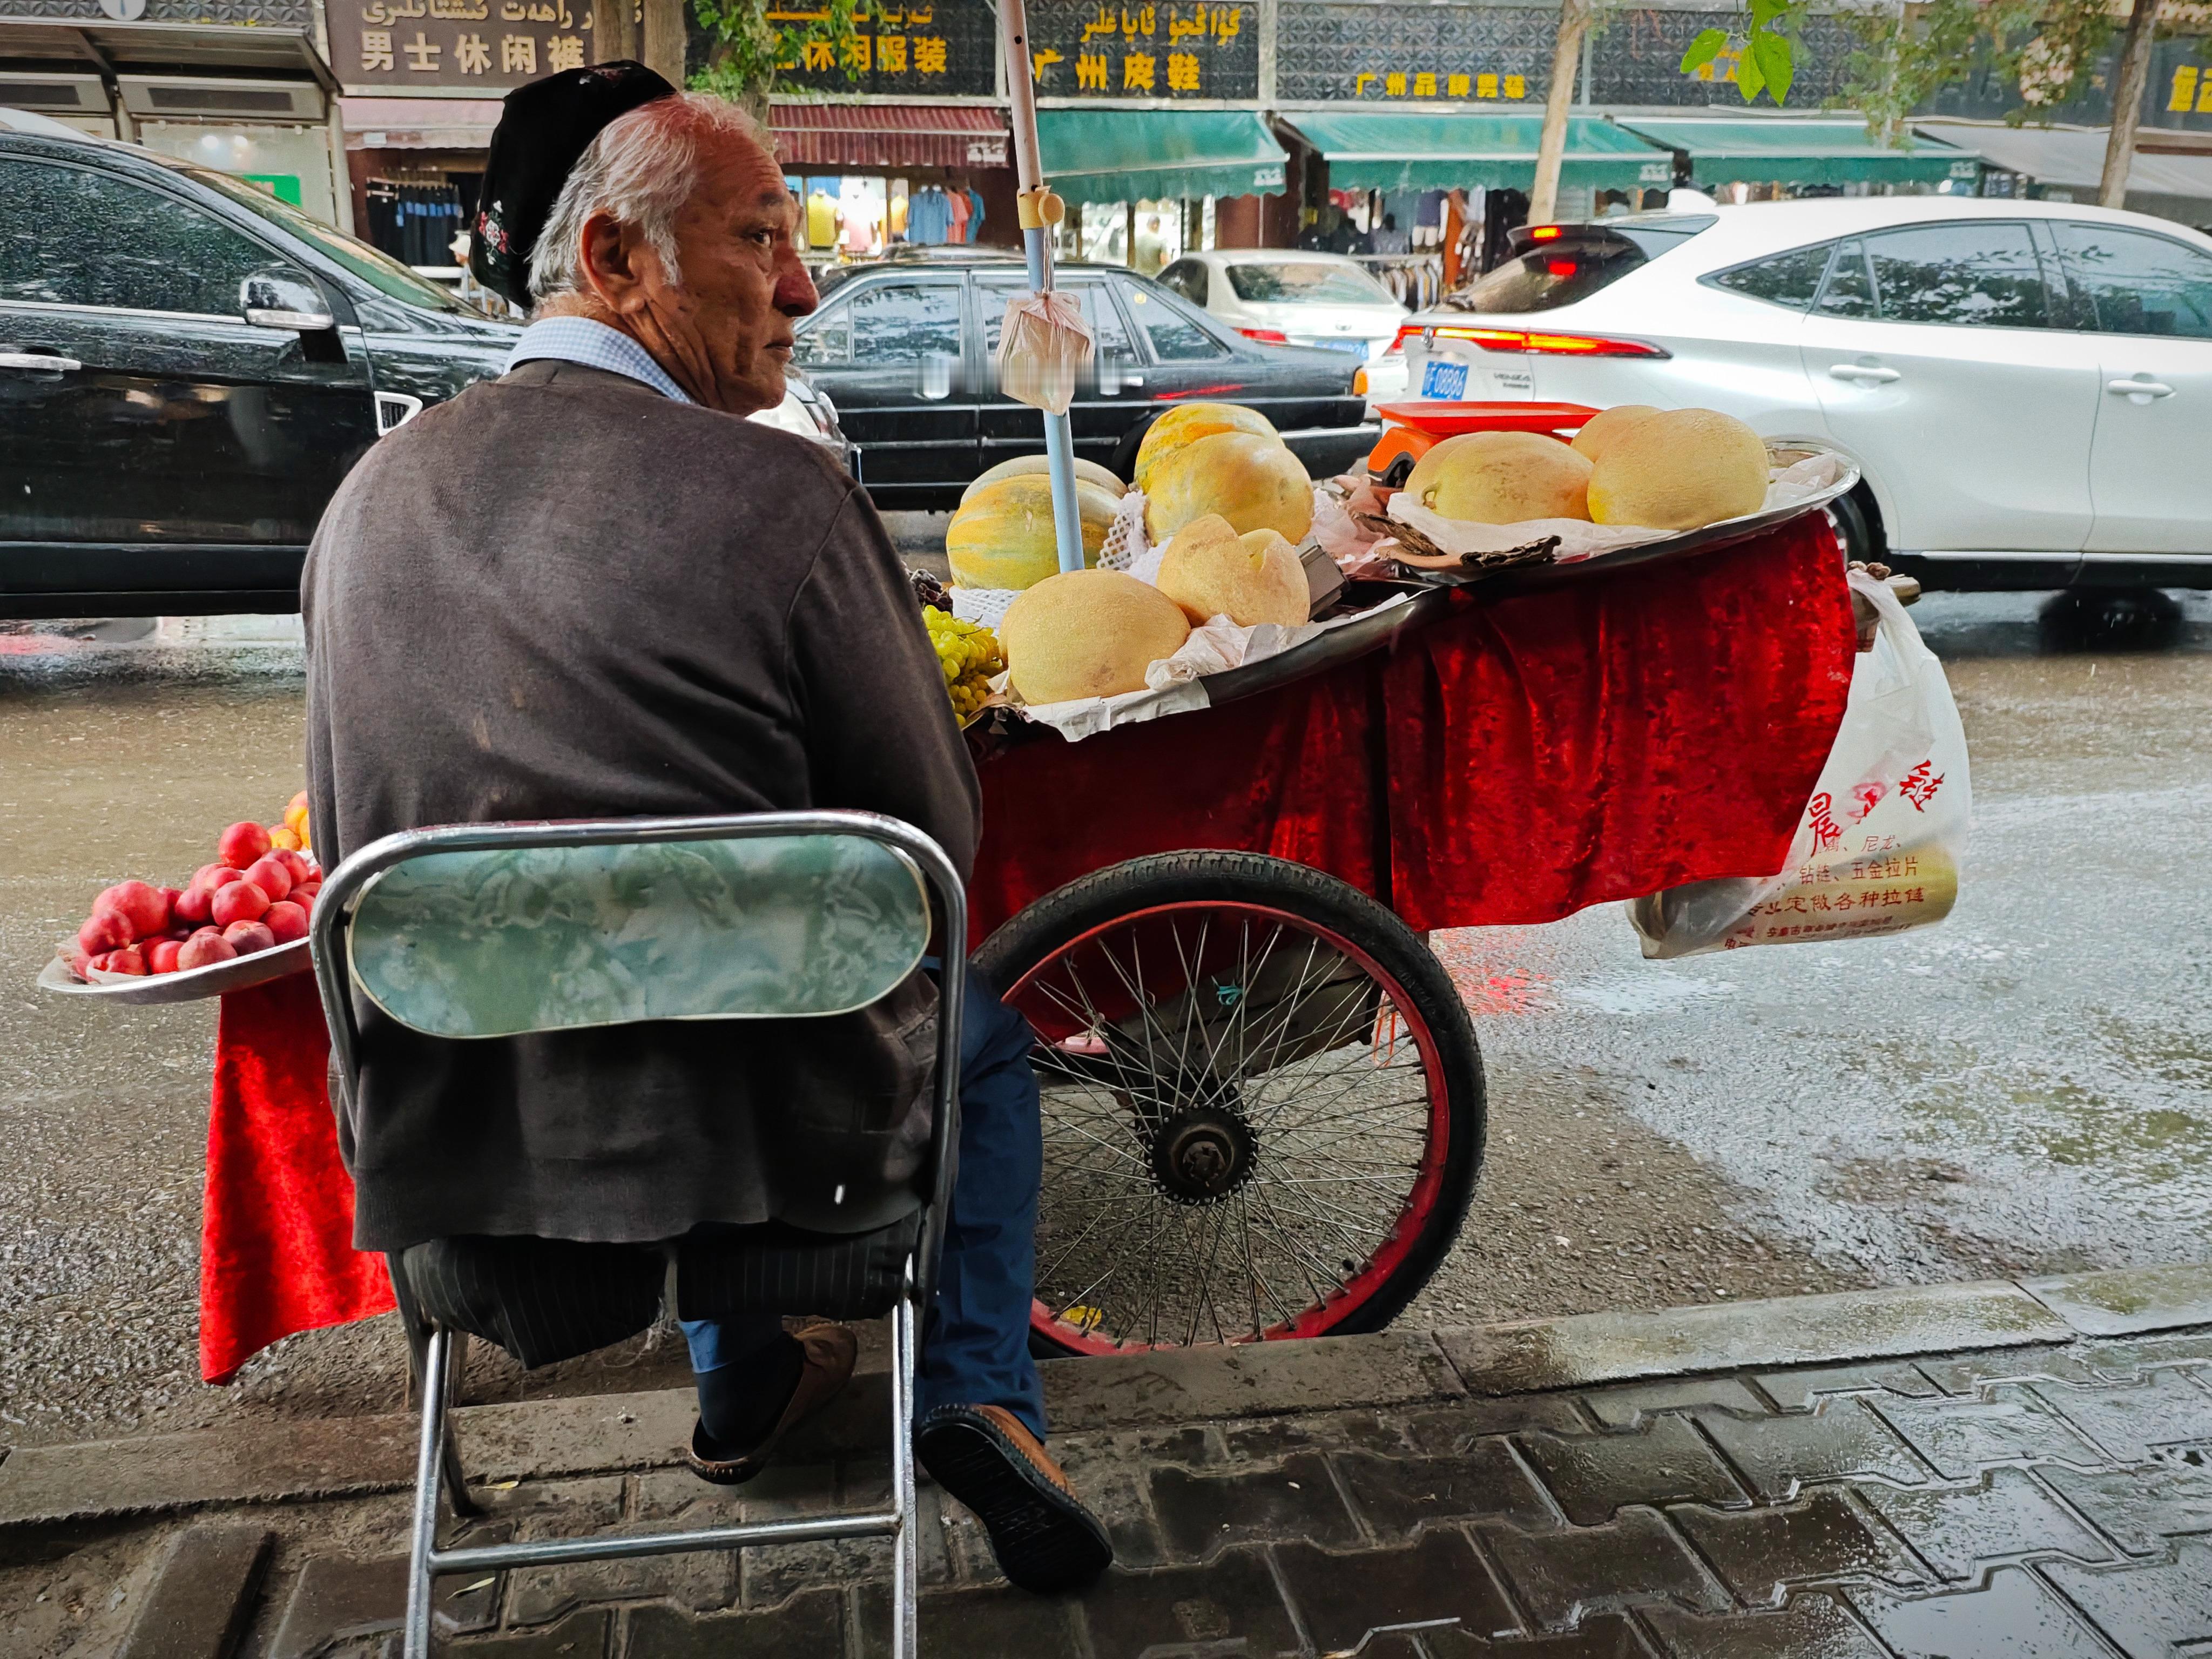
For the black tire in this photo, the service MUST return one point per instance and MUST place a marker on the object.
(1124, 465)
(1856, 523)
(1415, 980)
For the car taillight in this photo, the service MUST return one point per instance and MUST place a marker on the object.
(1564, 345)
(1546, 233)
(1406, 331)
(1266, 335)
(1359, 383)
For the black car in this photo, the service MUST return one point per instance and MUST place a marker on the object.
(907, 347)
(188, 367)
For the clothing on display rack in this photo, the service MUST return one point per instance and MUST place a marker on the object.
(821, 219)
(975, 215)
(929, 218)
(414, 221)
(956, 204)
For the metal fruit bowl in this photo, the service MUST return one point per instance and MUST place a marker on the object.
(188, 984)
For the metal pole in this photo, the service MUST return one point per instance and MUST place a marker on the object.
(1037, 248)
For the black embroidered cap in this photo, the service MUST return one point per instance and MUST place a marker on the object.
(544, 131)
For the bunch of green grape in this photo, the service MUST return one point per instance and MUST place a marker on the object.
(968, 654)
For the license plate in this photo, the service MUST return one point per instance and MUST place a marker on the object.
(1358, 346)
(1446, 382)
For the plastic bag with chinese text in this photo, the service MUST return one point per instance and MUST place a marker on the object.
(1879, 847)
(1042, 348)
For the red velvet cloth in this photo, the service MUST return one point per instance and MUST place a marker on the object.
(1512, 762)
(277, 1251)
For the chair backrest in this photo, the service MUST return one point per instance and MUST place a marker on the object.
(501, 941)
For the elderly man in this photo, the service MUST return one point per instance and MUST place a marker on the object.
(592, 589)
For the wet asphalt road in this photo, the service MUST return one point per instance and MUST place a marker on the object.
(2027, 1087)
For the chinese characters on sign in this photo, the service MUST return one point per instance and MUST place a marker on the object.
(935, 48)
(1161, 49)
(493, 44)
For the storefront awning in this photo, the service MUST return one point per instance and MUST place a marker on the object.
(1151, 155)
(887, 135)
(1794, 152)
(1394, 150)
(2072, 158)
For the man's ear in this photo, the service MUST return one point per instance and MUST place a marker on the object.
(613, 255)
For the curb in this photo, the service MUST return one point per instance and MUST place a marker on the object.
(45, 1485)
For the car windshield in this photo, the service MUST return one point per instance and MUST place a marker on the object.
(1573, 265)
(381, 271)
(1306, 282)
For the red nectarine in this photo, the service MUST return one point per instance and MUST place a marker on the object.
(161, 956)
(297, 863)
(120, 961)
(205, 949)
(105, 929)
(195, 905)
(239, 901)
(286, 920)
(271, 876)
(241, 844)
(139, 903)
(247, 937)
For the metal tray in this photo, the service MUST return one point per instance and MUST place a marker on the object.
(189, 985)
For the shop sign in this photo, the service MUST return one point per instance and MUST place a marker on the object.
(931, 48)
(477, 44)
(1359, 50)
(1178, 49)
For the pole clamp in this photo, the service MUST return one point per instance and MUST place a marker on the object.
(1038, 208)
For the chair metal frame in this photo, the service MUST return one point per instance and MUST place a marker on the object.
(434, 1351)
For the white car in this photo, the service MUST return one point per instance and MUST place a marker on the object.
(1283, 297)
(2027, 386)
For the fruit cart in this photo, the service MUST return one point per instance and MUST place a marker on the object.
(1263, 1094)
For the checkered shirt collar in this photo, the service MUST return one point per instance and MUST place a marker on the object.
(595, 345)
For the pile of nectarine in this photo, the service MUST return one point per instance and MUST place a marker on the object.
(256, 896)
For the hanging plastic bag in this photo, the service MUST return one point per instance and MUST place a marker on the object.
(1042, 347)
(1879, 847)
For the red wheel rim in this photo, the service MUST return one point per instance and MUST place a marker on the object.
(1123, 1186)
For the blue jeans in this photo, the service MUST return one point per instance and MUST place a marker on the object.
(974, 1344)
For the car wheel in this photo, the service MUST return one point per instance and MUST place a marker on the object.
(1124, 465)
(1855, 520)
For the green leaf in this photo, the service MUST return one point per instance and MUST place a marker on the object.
(1702, 50)
(1750, 80)
(1776, 61)
(1763, 12)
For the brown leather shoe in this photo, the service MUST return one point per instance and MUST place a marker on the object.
(826, 1366)
(1046, 1540)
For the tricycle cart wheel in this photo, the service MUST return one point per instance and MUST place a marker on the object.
(1262, 1102)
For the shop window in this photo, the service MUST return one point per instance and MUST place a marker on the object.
(74, 237)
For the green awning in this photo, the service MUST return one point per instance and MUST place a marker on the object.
(1792, 152)
(1151, 155)
(1393, 149)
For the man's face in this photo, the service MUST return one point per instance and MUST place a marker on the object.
(726, 334)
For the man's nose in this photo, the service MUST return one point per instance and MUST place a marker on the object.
(795, 293)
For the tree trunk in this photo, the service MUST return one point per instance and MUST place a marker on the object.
(614, 31)
(2127, 101)
(661, 46)
(1558, 95)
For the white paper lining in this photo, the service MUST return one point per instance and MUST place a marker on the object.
(1580, 539)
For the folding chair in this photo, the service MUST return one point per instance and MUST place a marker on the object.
(484, 930)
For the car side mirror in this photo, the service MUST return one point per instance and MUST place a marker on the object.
(280, 301)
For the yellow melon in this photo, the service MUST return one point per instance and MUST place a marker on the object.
(1502, 477)
(1602, 428)
(1185, 424)
(1211, 571)
(1087, 633)
(1088, 472)
(1679, 470)
(1253, 481)
(1002, 536)
(1423, 477)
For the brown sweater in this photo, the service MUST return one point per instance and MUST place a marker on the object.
(563, 595)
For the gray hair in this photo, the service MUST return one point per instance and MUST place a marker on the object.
(640, 169)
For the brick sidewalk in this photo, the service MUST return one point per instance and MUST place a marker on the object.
(2052, 1498)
